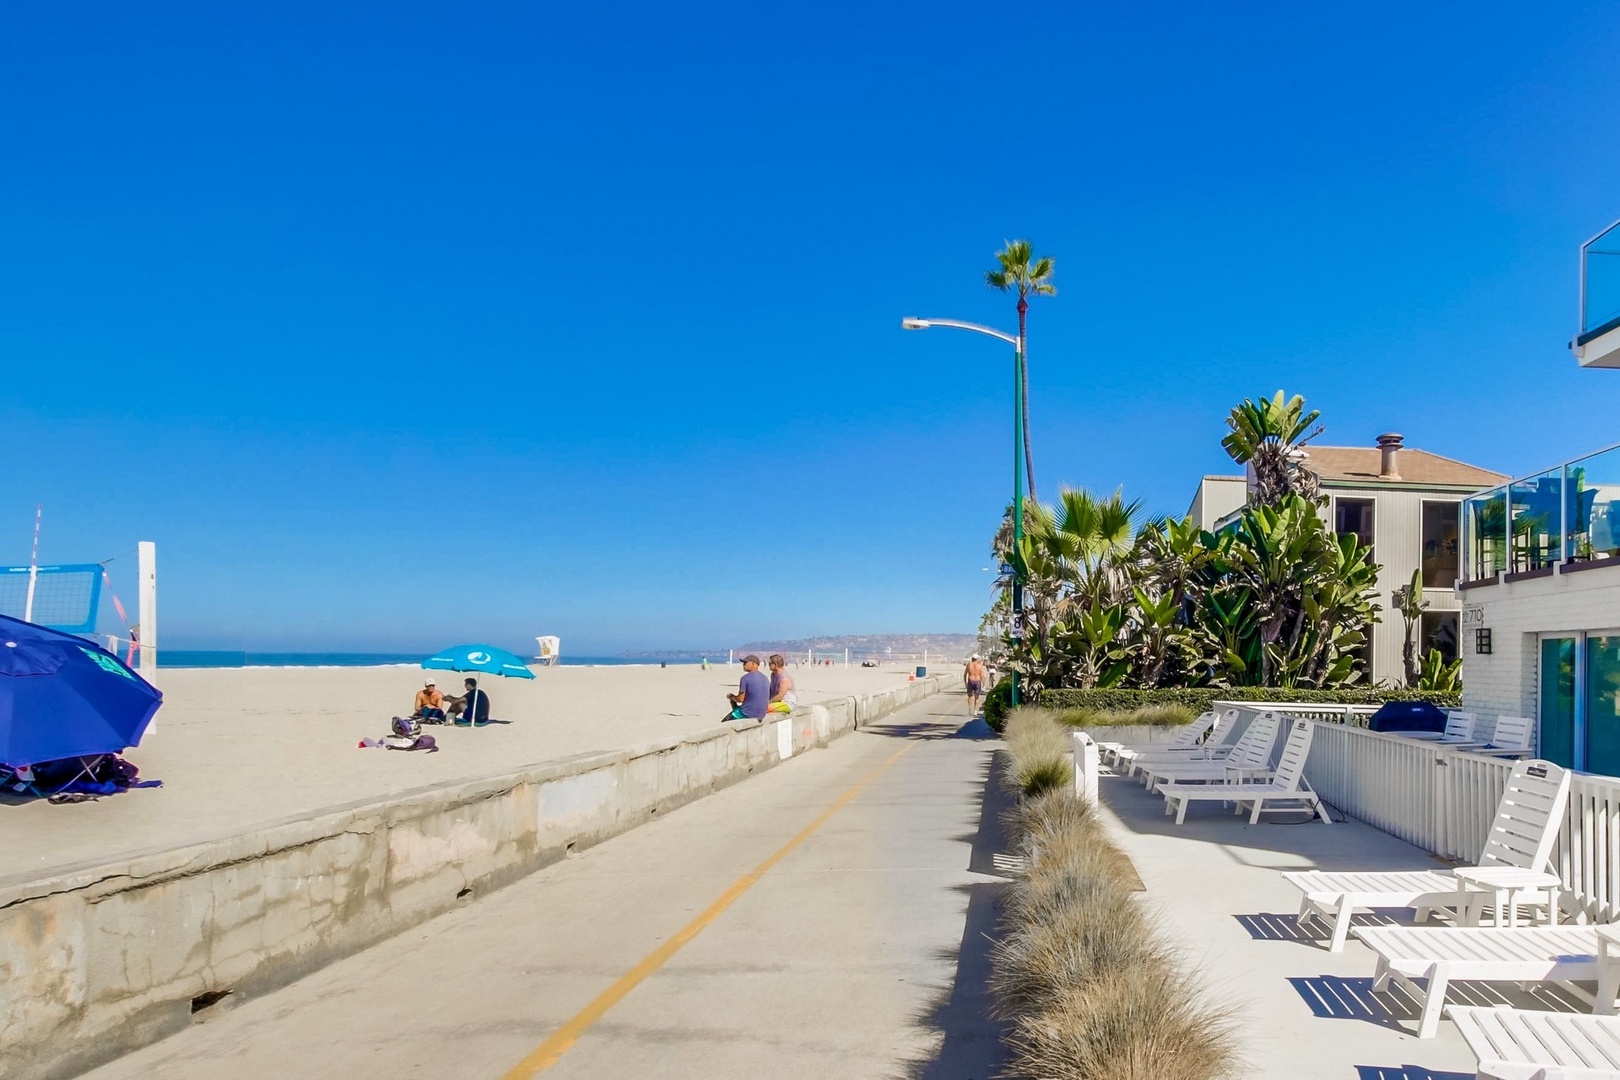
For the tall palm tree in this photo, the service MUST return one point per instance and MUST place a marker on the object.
(1021, 272)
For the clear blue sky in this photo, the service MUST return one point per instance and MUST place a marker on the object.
(395, 324)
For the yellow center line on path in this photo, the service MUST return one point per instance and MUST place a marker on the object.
(563, 1039)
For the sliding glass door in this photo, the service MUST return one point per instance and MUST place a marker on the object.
(1557, 696)
(1578, 693)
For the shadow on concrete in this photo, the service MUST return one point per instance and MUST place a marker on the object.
(971, 1043)
(1272, 926)
(1406, 1072)
(949, 725)
(1332, 997)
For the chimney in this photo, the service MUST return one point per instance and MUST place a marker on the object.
(1389, 445)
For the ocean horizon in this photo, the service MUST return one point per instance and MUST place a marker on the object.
(226, 658)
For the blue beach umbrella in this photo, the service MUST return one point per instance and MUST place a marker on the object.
(62, 697)
(485, 658)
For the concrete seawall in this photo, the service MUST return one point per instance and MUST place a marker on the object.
(98, 960)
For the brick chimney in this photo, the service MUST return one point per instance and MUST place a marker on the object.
(1389, 448)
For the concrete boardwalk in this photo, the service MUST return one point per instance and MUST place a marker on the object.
(858, 953)
(1302, 1011)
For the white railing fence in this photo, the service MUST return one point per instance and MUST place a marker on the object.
(1444, 801)
(1349, 715)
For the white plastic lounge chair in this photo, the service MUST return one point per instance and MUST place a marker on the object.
(1250, 758)
(1215, 746)
(1514, 1044)
(1438, 955)
(1521, 838)
(1510, 739)
(1288, 786)
(1186, 739)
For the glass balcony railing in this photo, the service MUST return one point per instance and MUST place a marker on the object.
(1600, 284)
(1570, 513)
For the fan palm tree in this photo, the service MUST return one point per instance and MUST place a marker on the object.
(1021, 272)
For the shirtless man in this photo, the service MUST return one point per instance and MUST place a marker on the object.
(973, 678)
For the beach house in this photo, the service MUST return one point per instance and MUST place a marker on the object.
(1541, 572)
(1405, 504)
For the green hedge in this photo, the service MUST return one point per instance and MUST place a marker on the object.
(997, 704)
(1199, 699)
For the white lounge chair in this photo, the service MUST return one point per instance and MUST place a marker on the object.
(1214, 746)
(1510, 739)
(1515, 1044)
(1439, 955)
(1250, 758)
(1288, 786)
(1186, 739)
(1459, 731)
(1521, 839)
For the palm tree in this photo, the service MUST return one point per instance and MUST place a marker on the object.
(1019, 271)
(1269, 436)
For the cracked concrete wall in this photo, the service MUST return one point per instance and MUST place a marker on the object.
(98, 961)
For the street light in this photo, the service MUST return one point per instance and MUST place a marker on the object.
(913, 323)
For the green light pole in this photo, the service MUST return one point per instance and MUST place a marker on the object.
(1018, 454)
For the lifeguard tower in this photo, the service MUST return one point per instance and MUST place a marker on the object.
(1597, 344)
(550, 650)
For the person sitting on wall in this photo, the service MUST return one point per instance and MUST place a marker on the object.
(429, 704)
(471, 707)
(782, 696)
(753, 697)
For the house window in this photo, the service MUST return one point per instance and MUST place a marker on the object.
(1438, 630)
(1354, 517)
(1439, 545)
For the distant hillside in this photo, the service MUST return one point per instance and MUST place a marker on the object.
(897, 646)
(860, 646)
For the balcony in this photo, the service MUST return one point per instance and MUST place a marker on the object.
(1556, 520)
(1598, 342)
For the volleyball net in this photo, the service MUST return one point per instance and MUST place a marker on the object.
(66, 597)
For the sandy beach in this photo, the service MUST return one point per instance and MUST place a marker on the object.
(237, 749)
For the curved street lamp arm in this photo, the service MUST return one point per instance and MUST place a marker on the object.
(955, 324)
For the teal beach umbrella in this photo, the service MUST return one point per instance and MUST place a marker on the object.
(486, 659)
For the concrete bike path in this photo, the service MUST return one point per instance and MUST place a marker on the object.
(825, 918)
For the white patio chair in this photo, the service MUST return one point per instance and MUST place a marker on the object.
(1288, 785)
(1510, 739)
(1214, 746)
(1186, 739)
(1439, 955)
(1515, 1044)
(1515, 857)
(1250, 758)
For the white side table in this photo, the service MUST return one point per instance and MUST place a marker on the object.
(1504, 885)
(1608, 987)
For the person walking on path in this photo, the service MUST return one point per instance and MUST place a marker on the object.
(753, 697)
(973, 680)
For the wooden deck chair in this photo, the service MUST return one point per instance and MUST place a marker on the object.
(1513, 1044)
(1287, 786)
(1186, 739)
(1439, 955)
(1250, 758)
(1522, 836)
(1214, 746)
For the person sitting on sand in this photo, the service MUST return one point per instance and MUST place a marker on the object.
(782, 696)
(471, 707)
(429, 704)
(753, 697)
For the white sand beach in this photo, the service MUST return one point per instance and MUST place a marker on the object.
(240, 748)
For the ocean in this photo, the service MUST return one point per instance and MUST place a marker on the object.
(198, 658)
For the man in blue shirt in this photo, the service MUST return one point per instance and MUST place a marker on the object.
(753, 697)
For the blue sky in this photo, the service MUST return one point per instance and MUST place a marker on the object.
(399, 323)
